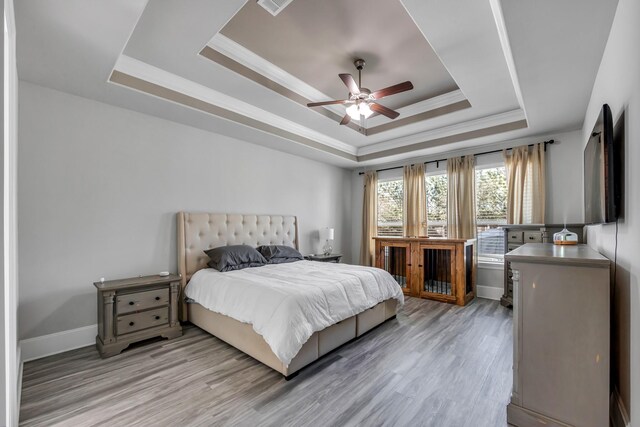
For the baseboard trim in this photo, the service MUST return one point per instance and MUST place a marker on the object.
(19, 380)
(59, 342)
(617, 411)
(489, 292)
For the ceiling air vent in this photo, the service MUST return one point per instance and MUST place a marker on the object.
(274, 7)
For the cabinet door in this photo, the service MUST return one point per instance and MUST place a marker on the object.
(437, 276)
(395, 258)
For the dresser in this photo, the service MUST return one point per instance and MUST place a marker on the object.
(560, 336)
(135, 309)
(433, 268)
(516, 235)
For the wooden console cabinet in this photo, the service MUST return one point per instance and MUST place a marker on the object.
(560, 336)
(439, 269)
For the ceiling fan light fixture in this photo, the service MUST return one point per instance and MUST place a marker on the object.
(359, 109)
(362, 102)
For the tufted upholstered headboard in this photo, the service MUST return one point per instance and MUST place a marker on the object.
(198, 232)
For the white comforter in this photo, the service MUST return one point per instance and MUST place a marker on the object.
(287, 303)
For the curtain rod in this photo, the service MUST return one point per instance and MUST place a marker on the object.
(551, 141)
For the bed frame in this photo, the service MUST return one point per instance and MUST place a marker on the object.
(198, 232)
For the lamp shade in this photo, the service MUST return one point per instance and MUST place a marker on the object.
(326, 233)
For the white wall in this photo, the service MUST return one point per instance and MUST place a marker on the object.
(3, 373)
(10, 350)
(618, 84)
(564, 187)
(100, 186)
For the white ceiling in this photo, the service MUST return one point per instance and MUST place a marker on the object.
(512, 61)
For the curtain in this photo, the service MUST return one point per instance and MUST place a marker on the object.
(516, 165)
(369, 218)
(525, 185)
(415, 201)
(461, 212)
(536, 183)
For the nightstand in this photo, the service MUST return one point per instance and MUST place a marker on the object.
(131, 310)
(324, 258)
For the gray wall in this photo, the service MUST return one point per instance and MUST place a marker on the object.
(618, 84)
(99, 187)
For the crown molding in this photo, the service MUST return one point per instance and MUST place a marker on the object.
(256, 63)
(244, 56)
(468, 126)
(496, 9)
(151, 74)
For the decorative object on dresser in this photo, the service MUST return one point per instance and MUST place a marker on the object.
(324, 258)
(516, 235)
(131, 310)
(560, 352)
(439, 269)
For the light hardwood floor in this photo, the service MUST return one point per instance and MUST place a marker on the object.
(435, 365)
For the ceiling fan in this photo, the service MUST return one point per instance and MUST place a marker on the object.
(362, 102)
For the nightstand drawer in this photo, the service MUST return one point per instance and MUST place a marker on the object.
(127, 303)
(146, 319)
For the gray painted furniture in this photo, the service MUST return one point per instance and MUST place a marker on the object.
(561, 336)
(131, 310)
(516, 235)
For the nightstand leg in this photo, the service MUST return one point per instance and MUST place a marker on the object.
(173, 316)
(108, 298)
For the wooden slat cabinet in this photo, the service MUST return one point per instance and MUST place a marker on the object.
(439, 269)
(395, 258)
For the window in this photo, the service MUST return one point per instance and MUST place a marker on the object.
(436, 187)
(491, 212)
(390, 205)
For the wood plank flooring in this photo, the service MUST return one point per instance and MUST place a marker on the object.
(435, 365)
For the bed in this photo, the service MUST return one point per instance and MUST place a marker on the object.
(198, 232)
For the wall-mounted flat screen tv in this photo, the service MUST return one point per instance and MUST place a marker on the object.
(601, 178)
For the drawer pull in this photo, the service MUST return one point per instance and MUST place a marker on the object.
(157, 298)
(131, 302)
(131, 323)
(157, 317)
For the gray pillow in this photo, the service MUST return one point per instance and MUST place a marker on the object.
(278, 254)
(234, 257)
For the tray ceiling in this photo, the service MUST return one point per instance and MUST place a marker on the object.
(316, 40)
(483, 71)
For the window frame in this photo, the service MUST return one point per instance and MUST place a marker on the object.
(495, 260)
(387, 178)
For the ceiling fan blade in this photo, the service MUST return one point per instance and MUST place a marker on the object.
(318, 104)
(384, 110)
(345, 120)
(347, 79)
(400, 87)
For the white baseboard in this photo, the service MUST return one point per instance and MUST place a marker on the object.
(19, 379)
(489, 292)
(47, 345)
(617, 411)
